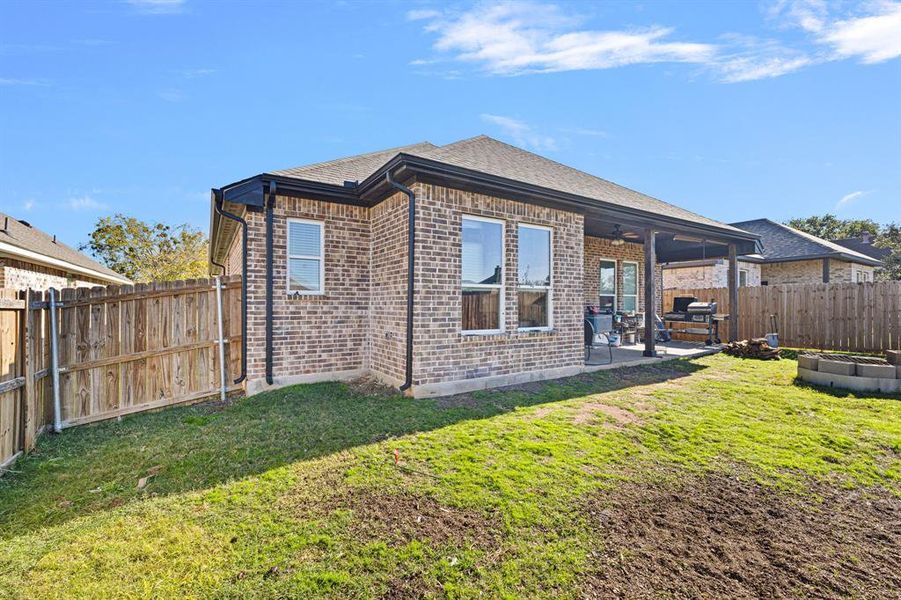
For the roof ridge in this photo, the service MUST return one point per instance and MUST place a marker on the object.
(351, 157)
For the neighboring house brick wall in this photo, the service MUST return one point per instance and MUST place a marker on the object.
(18, 275)
(846, 272)
(708, 276)
(811, 271)
(442, 353)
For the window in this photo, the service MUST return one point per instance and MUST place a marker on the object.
(534, 277)
(630, 286)
(483, 275)
(742, 278)
(862, 276)
(305, 257)
(607, 281)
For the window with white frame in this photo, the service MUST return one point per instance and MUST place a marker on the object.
(630, 286)
(483, 275)
(534, 277)
(607, 285)
(305, 257)
(742, 278)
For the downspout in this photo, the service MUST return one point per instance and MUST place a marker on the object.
(223, 213)
(270, 204)
(411, 245)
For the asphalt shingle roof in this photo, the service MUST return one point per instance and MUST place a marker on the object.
(858, 245)
(781, 242)
(27, 237)
(351, 168)
(490, 156)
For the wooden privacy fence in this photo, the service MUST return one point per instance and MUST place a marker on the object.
(860, 317)
(122, 349)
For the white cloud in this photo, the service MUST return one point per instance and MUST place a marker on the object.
(586, 131)
(28, 205)
(850, 198)
(158, 7)
(872, 39)
(509, 38)
(750, 58)
(14, 81)
(516, 38)
(195, 73)
(521, 133)
(84, 203)
(422, 14)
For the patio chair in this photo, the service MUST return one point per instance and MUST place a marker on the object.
(591, 342)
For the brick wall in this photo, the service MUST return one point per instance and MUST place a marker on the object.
(708, 276)
(359, 323)
(388, 307)
(597, 249)
(442, 352)
(18, 275)
(311, 334)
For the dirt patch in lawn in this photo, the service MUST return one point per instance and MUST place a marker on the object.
(589, 411)
(401, 518)
(716, 536)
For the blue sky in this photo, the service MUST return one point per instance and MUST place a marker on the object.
(734, 110)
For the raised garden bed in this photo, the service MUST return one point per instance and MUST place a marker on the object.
(858, 373)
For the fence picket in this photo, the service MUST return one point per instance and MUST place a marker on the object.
(859, 317)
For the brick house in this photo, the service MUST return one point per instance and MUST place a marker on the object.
(487, 287)
(789, 256)
(30, 258)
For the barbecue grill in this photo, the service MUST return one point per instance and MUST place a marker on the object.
(687, 309)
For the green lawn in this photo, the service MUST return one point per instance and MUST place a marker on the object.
(296, 492)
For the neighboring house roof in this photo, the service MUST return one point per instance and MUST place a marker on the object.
(864, 247)
(28, 244)
(782, 243)
(490, 156)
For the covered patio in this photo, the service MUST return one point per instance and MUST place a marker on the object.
(661, 239)
(631, 355)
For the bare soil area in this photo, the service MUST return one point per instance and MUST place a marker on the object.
(718, 536)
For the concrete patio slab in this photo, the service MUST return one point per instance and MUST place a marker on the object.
(632, 355)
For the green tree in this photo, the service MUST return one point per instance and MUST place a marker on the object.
(884, 236)
(890, 237)
(145, 251)
(830, 227)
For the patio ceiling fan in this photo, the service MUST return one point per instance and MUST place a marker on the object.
(619, 236)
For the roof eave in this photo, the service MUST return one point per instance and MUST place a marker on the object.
(58, 263)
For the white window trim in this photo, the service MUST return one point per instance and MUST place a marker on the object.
(486, 286)
(320, 258)
(615, 282)
(747, 275)
(549, 288)
(637, 293)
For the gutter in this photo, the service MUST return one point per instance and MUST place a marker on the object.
(218, 201)
(411, 259)
(270, 204)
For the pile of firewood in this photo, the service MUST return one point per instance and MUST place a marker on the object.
(755, 348)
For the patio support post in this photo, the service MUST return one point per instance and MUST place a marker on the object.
(650, 293)
(826, 270)
(733, 293)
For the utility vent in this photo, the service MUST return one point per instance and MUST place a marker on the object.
(25, 223)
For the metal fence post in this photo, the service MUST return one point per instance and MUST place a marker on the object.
(222, 385)
(54, 365)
